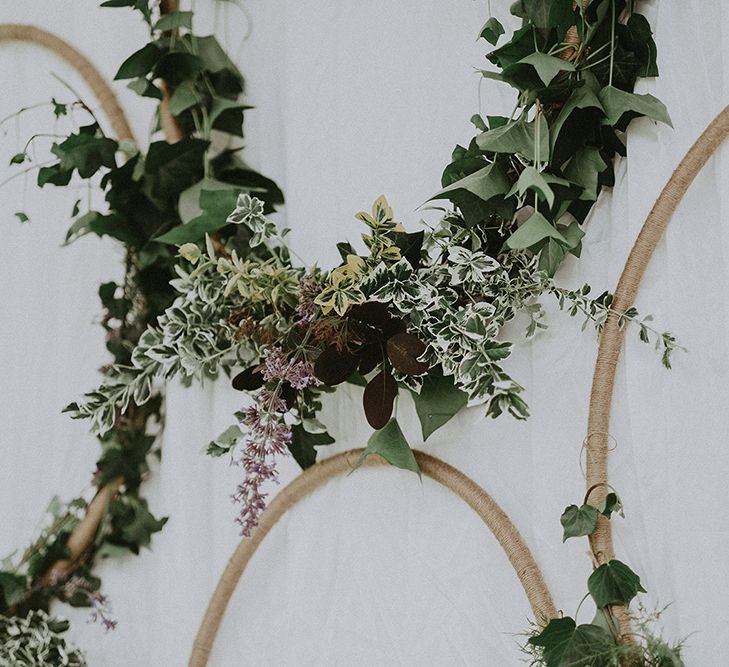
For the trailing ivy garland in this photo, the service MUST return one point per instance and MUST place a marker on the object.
(414, 311)
(148, 196)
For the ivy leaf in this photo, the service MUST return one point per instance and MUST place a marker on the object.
(390, 443)
(142, 5)
(581, 98)
(174, 21)
(612, 503)
(188, 205)
(213, 55)
(438, 401)
(140, 63)
(184, 97)
(621, 107)
(13, 589)
(404, 351)
(547, 67)
(86, 151)
(18, 158)
(216, 206)
(225, 442)
(172, 168)
(566, 644)
(491, 31)
(562, 16)
(378, 399)
(54, 175)
(177, 67)
(641, 36)
(145, 88)
(485, 183)
(303, 443)
(578, 521)
(59, 109)
(614, 583)
(22, 217)
(533, 233)
(517, 137)
(584, 169)
(538, 12)
(539, 182)
(135, 523)
(550, 257)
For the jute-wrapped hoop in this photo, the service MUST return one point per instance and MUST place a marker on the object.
(481, 502)
(102, 91)
(611, 341)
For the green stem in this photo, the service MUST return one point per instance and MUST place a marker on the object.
(612, 42)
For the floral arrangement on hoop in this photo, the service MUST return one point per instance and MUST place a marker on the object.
(422, 311)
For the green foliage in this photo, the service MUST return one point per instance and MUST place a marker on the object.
(37, 639)
(563, 643)
(554, 155)
(390, 443)
(438, 401)
(614, 583)
(491, 31)
(303, 444)
(578, 521)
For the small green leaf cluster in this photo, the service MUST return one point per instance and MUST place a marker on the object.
(37, 639)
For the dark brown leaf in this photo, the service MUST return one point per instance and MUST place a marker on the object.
(288, 394)
(379, 397)
(370, 355)
(371, 312)
(248, 380)
(333, 366)
(403, 350)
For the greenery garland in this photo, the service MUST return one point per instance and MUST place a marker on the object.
(148, 195)
(418, 312)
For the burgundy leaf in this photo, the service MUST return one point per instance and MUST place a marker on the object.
(379, 397)
(403, 350)
(334, 366)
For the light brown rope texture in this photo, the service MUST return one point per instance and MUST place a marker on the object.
(101, 89)
(313, 478)
(612, 335)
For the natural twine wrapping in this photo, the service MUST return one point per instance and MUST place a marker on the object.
(102, 91)
(481, 502)
(597, 443)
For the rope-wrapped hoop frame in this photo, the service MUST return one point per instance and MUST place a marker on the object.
(611, 340)
(315, 477)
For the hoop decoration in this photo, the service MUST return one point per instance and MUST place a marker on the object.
(611, 340)
(315, 477)
(100, 88)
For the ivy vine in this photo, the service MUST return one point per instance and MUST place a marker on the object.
(151, 197)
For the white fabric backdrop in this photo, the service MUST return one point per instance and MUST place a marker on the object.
(354, 100)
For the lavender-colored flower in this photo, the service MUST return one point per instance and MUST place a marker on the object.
(278, 366)
(309, 289)
(99, 603)
(268, 436)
